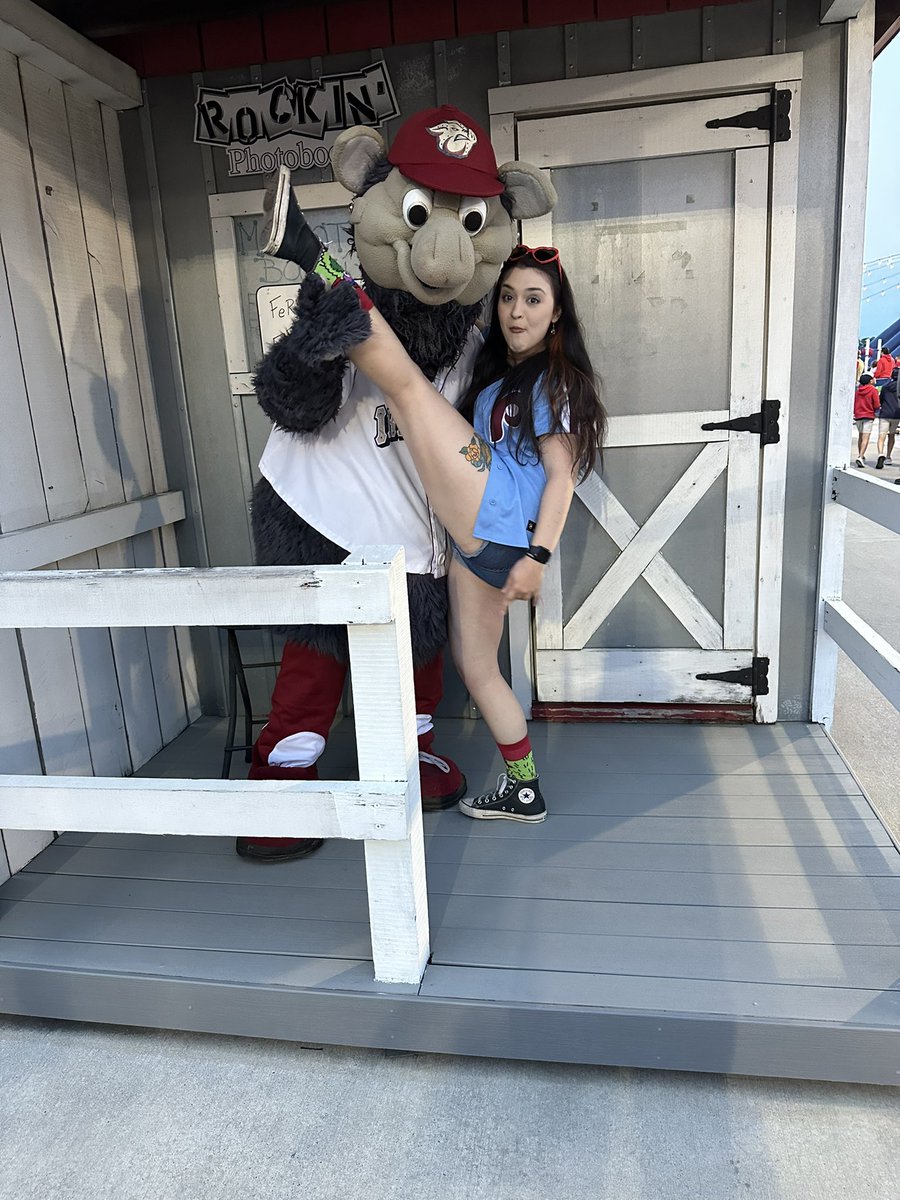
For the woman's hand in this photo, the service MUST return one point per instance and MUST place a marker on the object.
(524, 580)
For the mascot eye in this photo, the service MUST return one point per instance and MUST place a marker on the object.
(416, 208)
(473, 214)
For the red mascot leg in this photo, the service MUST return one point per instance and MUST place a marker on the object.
(306, 697)
(443, 784)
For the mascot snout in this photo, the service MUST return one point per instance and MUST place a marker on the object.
(441, 252)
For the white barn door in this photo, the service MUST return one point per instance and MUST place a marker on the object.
(663, 227)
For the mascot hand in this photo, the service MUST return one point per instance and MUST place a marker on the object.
(299, 381)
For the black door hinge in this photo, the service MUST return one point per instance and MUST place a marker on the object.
(764, 422)
(755, 677)
(775, 116)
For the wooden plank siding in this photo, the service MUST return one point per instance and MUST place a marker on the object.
(81, 436)
(701, 898)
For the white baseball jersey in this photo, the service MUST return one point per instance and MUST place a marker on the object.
(354, 480)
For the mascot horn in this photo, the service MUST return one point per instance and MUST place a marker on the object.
(433, 222)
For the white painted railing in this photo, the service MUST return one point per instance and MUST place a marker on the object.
(368, 594)
(841, 626)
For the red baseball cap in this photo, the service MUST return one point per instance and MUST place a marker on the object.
(442, 148)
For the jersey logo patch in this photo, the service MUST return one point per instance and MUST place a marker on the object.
(454, 139)
(504, 415)
(386, 430)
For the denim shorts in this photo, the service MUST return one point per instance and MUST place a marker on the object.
(492, 563)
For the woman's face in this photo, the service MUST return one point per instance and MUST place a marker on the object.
(525, 309)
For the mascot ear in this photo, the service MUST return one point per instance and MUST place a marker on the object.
(354, 153)
(530, 190)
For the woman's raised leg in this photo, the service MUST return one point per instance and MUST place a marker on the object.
(453, 462)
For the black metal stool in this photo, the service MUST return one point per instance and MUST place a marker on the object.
(237, 682)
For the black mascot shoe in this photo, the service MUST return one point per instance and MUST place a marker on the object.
(285, 230)
(276, 850)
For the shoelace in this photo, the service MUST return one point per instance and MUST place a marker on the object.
(503, 781)
(441, 765)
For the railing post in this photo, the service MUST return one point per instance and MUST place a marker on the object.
(851, 222)
(385, 714)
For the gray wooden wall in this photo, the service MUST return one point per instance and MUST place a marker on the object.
(194, 394)
(79, 434)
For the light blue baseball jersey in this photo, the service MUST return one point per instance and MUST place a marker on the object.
(515, 486)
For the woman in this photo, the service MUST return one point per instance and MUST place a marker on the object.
(499, 473)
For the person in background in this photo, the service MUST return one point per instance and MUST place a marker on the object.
(888, 419)
(883, 367)
(865, 406)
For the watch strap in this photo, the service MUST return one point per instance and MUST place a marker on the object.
(539, 553)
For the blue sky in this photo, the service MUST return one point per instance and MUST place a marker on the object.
(877, 311)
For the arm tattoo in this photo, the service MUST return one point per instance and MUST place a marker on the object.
(478, 453)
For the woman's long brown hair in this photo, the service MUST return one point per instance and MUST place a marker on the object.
(571, 382)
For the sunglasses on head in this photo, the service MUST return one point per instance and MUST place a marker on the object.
(540, 254)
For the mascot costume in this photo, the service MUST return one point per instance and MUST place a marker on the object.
(432, 223)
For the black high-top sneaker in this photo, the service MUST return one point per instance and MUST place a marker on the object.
(285, 233)
(512, 800)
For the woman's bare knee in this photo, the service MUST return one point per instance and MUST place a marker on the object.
(479, 676)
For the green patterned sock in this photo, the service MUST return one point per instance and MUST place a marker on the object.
(521, 769)
(329, 269)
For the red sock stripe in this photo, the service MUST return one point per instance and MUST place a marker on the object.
(515, 750)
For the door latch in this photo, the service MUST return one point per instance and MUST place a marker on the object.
(774, 116)
(764, 422)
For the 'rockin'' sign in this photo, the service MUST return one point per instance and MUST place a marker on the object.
(291, 122)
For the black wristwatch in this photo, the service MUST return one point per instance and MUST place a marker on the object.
(539, 553)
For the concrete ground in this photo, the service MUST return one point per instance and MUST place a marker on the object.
(90, 1112)
(122, 1114)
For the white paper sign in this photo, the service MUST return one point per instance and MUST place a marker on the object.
(275, 305)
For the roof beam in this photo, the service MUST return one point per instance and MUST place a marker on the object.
(833, 11)
(33, 34)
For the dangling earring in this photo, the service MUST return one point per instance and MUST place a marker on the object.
(552, 328)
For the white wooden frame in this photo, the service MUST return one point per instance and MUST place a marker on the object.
(850, 236)
(223, 208)
(509, 105)
(368, 594)
(646, 138)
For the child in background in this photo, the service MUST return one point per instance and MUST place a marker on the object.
(866, 403)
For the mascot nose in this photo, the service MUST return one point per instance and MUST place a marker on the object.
(442, 255)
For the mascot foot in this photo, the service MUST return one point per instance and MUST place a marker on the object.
(285, 229)
(442, 782)
(276, 850)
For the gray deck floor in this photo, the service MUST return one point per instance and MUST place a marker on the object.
(701, 897)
